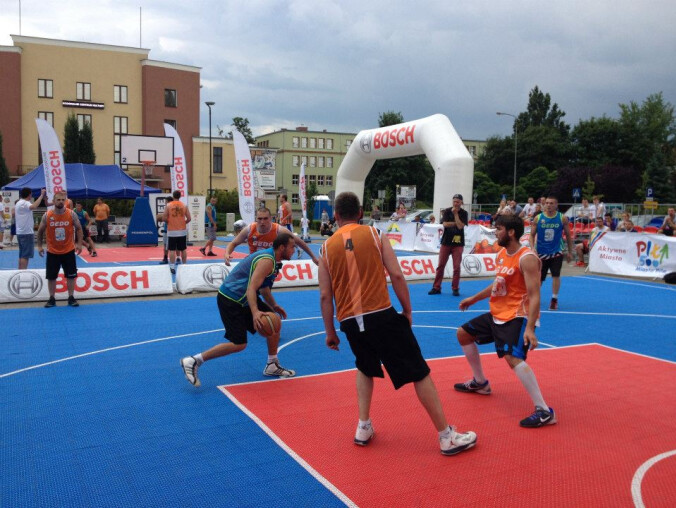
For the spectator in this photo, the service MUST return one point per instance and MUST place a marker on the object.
(528, 211)
(454, 220)
(625, 224)
(211, 227)
(669, 224)
(585, 212)
(516, 209)
(584, 247)
(401, 212)
(25, 225)
(608, 221)
(375, 213)
(503, 208)
(538, 210)
(432, 219)
(285, 213)
(101, 214)
(85, 222)
(599, 207)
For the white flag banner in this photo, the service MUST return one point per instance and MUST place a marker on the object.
(245, 180)
(52, 159)
(179, 171)
(633, 254)
(303, 199)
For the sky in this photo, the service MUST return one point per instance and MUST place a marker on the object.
(339, 64)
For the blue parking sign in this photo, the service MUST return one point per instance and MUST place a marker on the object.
(649, 192)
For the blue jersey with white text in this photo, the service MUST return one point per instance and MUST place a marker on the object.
(549, 235)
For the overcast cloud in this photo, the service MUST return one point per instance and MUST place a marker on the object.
(337, 65)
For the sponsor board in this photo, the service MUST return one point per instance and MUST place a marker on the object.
(633, 255)
(109, 282)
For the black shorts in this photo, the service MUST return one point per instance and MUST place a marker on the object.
(508, 337)
(177, 243)
(54, 263)
(551, 264)
(237, 319)
(387, 338)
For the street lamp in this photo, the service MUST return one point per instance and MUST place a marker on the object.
(211, 155)
(514, 117)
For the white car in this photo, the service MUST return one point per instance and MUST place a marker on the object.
(424, 215)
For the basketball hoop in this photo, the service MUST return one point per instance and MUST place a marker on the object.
(148, 167)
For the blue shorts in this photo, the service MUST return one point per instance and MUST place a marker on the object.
(26, 246)
(508, 337)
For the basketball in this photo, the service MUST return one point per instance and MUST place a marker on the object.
(272, 323)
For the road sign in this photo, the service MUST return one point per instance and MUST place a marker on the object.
(649, 192)
(576, 193)
(650, 205)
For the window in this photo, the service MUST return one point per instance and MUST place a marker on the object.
(312, 179)
(321, 143)
(313, 162)
(120, 126)
(295, 179)
(329, 144)
(303, 142)
(171, 122)
(303, 159)
(218, 159)
(313, 142)
(320, 160)
(295, 160)
(294, 199)
(120, 94)
(170, 98)
(320, 179)
(46, 88)
(348, 143)
(48, 116)
(329, 180)
(471, 150)
(83, 91)
(295, 141)
(329, 162)
(84, 119)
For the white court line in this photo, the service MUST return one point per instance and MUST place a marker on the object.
(636, 354)
(640, 473)
(313, 472)
(615, 281)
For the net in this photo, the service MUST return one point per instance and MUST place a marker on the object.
(148, 167)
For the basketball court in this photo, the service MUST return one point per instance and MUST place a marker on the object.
(96, 410)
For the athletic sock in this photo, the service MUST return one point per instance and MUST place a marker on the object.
(530, 383)
(365, 424)
(555, 296)
(472, 354)
(272, 358)
(198, 358)
(446, 433)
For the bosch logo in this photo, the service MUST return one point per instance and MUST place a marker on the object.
(25, 285)
(214, 275)
(472, 264)
(365, 143)
(248, 207)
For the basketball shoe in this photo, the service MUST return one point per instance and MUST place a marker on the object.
(539, 418)
(472, 386)
(457, 442)
(189, 365)
(364, 434)
(275, 369)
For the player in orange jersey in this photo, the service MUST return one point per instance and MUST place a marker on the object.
(510, 324)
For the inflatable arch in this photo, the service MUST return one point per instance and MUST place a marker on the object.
(433, 136)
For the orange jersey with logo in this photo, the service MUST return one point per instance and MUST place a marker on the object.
(60, 232)
(285, 214)
(176, 216)
(354, 258)
(257, 241)
(509, 297)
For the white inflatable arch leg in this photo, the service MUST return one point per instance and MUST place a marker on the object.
(433, 136)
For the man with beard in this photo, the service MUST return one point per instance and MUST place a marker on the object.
(510, 324)
(64, 241)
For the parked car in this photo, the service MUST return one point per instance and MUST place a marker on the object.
(424, 215)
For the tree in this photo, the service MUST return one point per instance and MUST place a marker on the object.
(541, 113)
(311, 192)
(4, 171)
(71, 140)
(86, 142)
(487, 190)
(241, 125)
(537, 183)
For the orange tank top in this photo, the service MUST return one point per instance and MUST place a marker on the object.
(285, 214)
(509, 297)
(259, 242)
(176, 216)
(60, 232)
(353, 256)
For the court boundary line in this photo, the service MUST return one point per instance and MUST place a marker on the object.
(640, 473)
(654, 285)
(636, 354)
(289, 451)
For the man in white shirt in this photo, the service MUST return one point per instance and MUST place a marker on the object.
(584, 247)
(585, 212)
(528, 209)
(599, 207)
(25, 226)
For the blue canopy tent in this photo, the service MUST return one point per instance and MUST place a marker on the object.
(87, 181)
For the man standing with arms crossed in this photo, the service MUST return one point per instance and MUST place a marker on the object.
(25, 226)
(510, 324)
(352, 272)
(454, 220)
(546, 238)
(210, 221)
(177, 217)
(61, 226)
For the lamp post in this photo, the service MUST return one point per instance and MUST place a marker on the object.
(514, 117)
(211, 155)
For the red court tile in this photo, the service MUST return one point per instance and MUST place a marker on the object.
(145, 254)
(614, 408)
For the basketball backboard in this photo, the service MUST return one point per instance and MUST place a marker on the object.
(134, 150)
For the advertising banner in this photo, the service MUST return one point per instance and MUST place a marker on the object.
(633, 255)
(303, 200)
(179, 171)
(52, 160)
(196, 206)
(401, 234)
(245, 180)
(105, 282)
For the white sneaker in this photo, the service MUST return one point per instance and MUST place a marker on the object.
(457, 442)
(275, 369)
(190, 367)
(364, 434)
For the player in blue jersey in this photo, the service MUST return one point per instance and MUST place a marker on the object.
(241, 308)
(546, 238)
